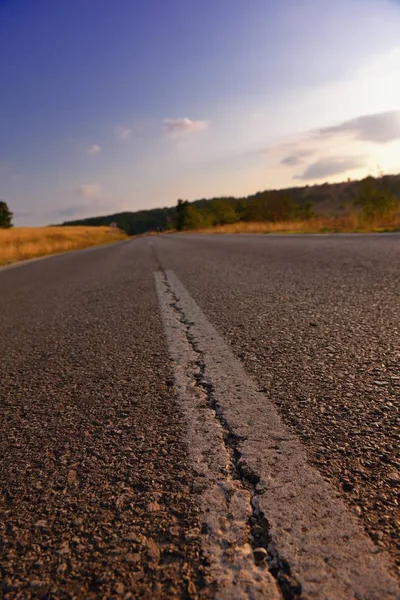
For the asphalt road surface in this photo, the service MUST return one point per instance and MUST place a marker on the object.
(202, 417)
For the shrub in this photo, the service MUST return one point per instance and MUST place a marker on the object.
(5, 216)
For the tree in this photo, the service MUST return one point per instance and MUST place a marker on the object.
(188, 216)
(194, 219)
(180, 216)
(305, 211)
(375, 199)
(223, 211)
(270, 206)
(5, 216)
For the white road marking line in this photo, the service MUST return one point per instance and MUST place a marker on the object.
(314, 538)
(225, 502)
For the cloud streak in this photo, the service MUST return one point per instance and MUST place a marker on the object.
(296, 158)
(69, 211)
(179, 127)
(379, 128)
(89, 190)
(123, 133)
(94, 149)
(327, 167)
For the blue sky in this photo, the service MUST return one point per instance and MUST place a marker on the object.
(124, 105)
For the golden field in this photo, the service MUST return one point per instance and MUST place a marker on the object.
(352, 223)
(21, 243)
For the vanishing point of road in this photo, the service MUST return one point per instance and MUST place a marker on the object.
(186, 416)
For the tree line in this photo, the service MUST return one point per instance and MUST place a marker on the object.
(373, 197)
(265, 206)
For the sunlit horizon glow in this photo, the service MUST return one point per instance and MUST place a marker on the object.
(150, 104)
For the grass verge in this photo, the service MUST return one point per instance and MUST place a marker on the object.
(353, 223)
(21, 243)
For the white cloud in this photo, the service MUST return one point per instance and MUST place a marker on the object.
(89, 190)
(123, 133)
(296, 158)
(331, 151)
(378, 128)
(94, 149)
(178, 127)
(326, 167)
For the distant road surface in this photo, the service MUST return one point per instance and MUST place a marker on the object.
(186, 416)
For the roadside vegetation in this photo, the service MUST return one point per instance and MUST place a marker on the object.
(351, 223)
(373, 207)
(371, 204)
(5, 216)
(21, 243)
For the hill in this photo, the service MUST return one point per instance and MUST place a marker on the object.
(328, 199)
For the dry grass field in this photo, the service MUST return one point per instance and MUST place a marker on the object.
(21, 243)
(352, 223)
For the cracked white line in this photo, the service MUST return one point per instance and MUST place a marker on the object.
(224, 500)
(314, 539)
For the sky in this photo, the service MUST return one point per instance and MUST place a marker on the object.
(131, 104)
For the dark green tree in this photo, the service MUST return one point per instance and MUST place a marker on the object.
(375, 199)
(180, 215)
(221, 211)
(188, 216)
(5, 216)
(194, 218)
(270, 206)
(305, 211)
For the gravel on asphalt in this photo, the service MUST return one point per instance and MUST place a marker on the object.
(316, 320)
(95, 481)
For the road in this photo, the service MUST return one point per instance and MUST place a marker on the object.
(192, 416)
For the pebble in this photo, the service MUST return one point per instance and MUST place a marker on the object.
(119, 588)
(72, 477)
(153, 551)
(42, 523)
(132, 558)
(260, 554)
(347, 486)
